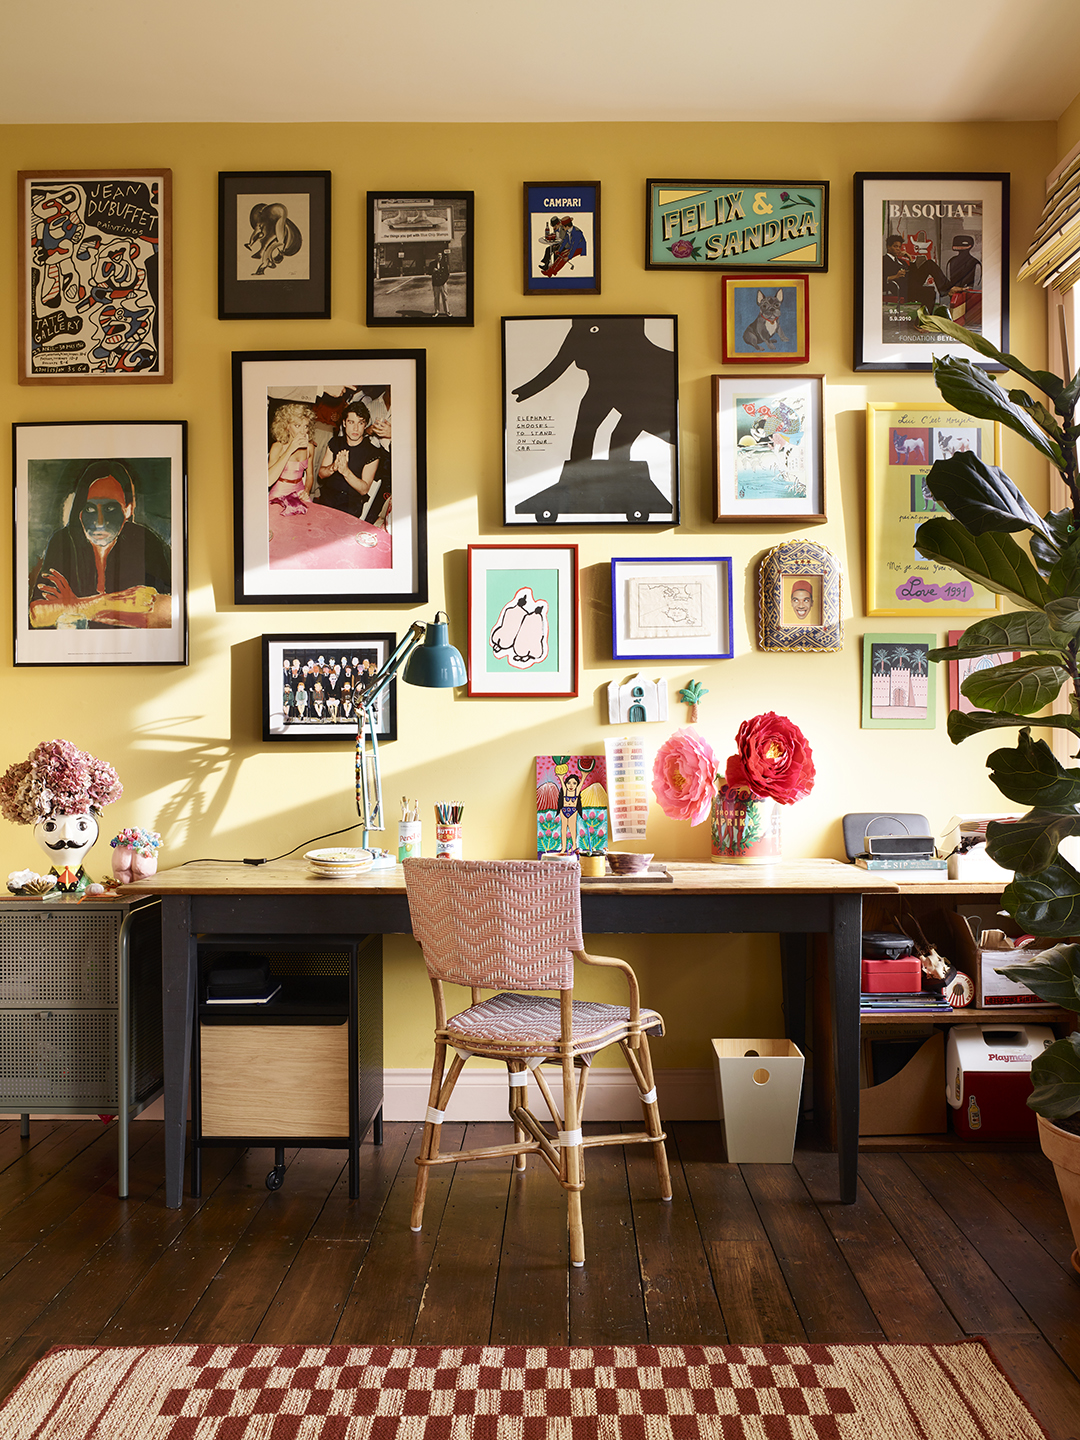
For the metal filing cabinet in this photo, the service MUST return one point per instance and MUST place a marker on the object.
(80, 1010)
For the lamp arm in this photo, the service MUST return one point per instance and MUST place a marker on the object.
(389, 668)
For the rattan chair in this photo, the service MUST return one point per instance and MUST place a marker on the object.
(490, 924)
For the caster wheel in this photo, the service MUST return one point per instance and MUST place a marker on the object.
(276, 1178)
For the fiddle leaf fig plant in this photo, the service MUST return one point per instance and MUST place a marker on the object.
(1041, 578)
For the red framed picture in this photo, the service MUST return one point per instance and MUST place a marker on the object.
(959, 670)
(523, 620)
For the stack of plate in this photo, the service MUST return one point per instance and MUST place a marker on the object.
(340, 863)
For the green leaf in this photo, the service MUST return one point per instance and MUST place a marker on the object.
(1063, 533)
(1053, 975)
(1029, 845)
(971, 390)
(1038, 413)
(1015, 630)
(961, 725)
(1023, 686)
(1031, 774)
(981, 496)
(1047, 903)
(1055, 1076)
(1064, 614)
(994, 560)
(1044, 380)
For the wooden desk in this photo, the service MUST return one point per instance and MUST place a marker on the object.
(793, 900)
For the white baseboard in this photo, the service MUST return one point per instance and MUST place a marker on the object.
(611, 1095)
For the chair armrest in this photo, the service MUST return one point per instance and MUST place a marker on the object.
(609, 962)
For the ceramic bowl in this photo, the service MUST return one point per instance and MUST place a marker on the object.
(628, 862)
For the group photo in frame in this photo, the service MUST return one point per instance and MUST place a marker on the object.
(899, 682)
(420, 257)
(100, 543)
(95, 277)
(799, 599)
(562, 237)
(311, 683)
(934, 240)
(274, 245)
(523, 621)
(671, 609)
(330, 492)
(902, 442)
(765, 319)
(768, 448)
(590, 420)
(737, 225)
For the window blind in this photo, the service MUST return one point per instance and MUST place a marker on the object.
(1054, 254)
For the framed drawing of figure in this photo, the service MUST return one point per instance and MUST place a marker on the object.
(274, 245)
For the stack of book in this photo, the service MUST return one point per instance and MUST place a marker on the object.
(917, 1002)
(915, 867)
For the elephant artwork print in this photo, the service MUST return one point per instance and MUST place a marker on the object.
(590, 406)
(523, 620)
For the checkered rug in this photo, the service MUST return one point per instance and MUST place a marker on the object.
(603, 1392)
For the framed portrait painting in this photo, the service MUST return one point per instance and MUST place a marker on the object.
(562, 237)
(329, 490)
(902, 442)
(737, 225)
(100, 543)
(799, 599)
(95, 277)
(311, 682)
(274, 245)
(765, 319)
(939, 241)
(899, 682)
(671, 609)
(420, 258)
(523, 620)
(769, 448)
(591, 420)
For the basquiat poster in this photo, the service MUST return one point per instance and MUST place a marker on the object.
(94, 267)
(571, 805)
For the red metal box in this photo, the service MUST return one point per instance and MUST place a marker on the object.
(892, 977)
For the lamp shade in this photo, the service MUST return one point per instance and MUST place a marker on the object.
(436, 663)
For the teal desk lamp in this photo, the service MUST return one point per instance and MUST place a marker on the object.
(435, 664)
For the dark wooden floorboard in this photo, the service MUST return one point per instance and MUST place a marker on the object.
(938, 1246)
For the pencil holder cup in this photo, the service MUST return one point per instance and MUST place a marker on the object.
(448, 842)
(408, 840)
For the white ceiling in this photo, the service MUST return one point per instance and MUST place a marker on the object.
(535, 60)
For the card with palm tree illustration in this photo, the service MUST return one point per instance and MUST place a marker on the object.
(898, 683)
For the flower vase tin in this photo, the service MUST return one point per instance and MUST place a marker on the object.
(745, 827)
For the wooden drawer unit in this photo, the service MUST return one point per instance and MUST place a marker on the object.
(275, 1079)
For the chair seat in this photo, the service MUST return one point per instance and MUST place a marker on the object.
(518, 1026)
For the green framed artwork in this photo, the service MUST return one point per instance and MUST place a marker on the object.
(902, 442)
(737, 225)
(523, 630)
(899, 689)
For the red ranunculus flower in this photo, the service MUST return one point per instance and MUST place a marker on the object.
(774, 759)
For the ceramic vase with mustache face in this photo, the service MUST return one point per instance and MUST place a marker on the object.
(66, 839)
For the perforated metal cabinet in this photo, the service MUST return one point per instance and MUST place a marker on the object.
(80, 1010)
(305, 1069)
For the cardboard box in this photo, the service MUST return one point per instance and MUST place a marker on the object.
(758, 1085)
(994, 989)
(912, 1102)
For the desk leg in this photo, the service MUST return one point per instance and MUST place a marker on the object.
(178, 965)
(793, 953)
(845, 946)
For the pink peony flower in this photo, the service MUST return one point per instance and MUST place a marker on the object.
(774, 759)
(684, 776)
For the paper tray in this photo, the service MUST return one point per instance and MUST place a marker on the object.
(655, 874)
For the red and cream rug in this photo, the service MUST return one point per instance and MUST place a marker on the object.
(633, 1392)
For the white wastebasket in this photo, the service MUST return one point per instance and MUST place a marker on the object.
(758, 1085)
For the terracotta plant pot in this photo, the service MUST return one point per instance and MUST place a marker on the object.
(1062, 1149)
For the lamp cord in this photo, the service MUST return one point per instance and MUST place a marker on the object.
(269, 860)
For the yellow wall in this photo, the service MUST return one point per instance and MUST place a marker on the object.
(187, 741)
(1068, 128)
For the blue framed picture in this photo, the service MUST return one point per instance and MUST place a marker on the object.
(562, 237)
(671, 609)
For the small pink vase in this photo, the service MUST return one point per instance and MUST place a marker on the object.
(127, 865)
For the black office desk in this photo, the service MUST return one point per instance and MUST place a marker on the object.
(794, 900)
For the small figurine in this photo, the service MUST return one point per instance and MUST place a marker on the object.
(638, 700)
(134, 853)
(692, 695)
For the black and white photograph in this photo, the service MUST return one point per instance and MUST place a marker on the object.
(274, 245)
(100, 543)
(312, 686)
(420, 258)
(591, 420)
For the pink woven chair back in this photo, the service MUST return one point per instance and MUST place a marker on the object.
(497, 923)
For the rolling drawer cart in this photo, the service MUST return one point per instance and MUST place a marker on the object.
(80, 1010)
(303, 1069)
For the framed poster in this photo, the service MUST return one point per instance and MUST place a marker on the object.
(768, 448)
(671, 609)
(765, 319)
(799, 594)
(95, 277)
(274, 245)
(523, 620)
(562, 237)
(902, 442)
(100, 543)
(420, 258)
(590, 420)
(898, 682)
(934, 240)
(737, 225)
(325, 512)
(310, 683)
(959, 670)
